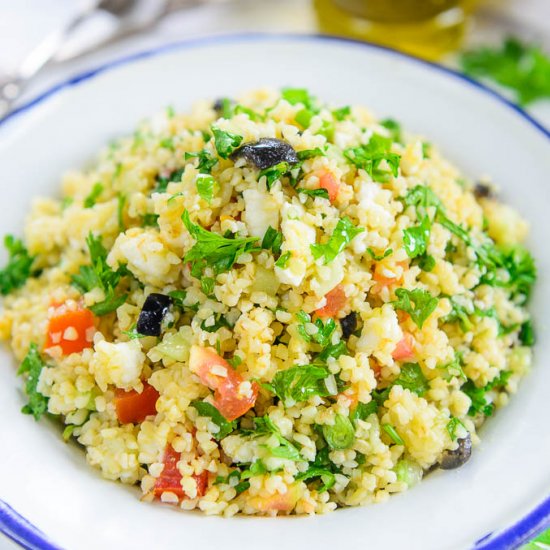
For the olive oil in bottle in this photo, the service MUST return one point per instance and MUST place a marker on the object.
(426, 28)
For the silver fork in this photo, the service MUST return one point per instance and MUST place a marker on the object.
(12, 86)
(47, 52)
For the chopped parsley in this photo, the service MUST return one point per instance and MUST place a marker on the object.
(205, 161)
(363, 410)
(522, 68)
(480, 403)
(150, 220)
(527, 334)
(394, 128)
(274, 173)
(343, 234)
(263, 425)
(206, 409)
(91, 199)
(370, 157)
(379, 257)
(32, 366)
(121, 203)
(163, 181)
(342, 113)
(416, 238)
(418, 303)
(299, 383)
(283, 259)
(322, 335)
(225, 142)
(213, 250)
(321, 192)
(205, 187)
(100, 275)
(310, 153)
(219, 322)
(299, 95)
(272, 240)
(410, 378)
(452, 427)
(326, 476)
(19, 267)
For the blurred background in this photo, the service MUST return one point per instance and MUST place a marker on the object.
(80, 34)
(504, 43)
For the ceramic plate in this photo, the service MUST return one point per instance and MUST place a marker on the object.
(494, 501)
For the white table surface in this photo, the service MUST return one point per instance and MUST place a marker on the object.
(24, 22)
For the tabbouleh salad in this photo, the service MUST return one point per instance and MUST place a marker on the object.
(270, 306)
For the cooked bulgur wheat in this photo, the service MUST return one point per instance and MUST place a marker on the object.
(393, 288)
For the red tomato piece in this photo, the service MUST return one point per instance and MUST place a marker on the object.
(328, 181)
(336, 300)
(216, 373)
(405, 348)
(278, 502)
(70, 328)
(133, 407)
(170, 477)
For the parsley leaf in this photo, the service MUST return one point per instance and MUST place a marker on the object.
(18, 269)
(523, 68)
(527, 334)
(299, 383)
(272, 240)
(299, 95)
(206, 409)
(205, 187)
(327, 477)
(225, 142)
(424, 304)
(416, 238)
(206, 161)
(394, 127)
(310, 153)
(274, 173)
(412, 378)
(321, 192)
(32, 366)
(100, 275)
(342, 113)
(453, 425)
(283, 259)
(163, 181)
(343, 234)
(265, 426)
(213, 250)
(363, 410)
(379, 257)
(369, 157)
(91, 199)
(322, 335)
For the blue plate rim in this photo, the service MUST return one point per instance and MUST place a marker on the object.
(15, 526)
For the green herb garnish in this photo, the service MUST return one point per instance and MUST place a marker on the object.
(32, 366)
(370, 157)
(392, 433)
(91, 199)
(19, 267)
(205, 187)
(225, 142)
(100, 275)
(206, 409)
(212, 250)
(522, 68)
(272, 240)
(299, 383)
(343, 234)
(418, 303)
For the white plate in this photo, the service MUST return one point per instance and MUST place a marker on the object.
(49, 482)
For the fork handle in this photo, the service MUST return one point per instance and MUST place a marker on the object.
(12, 86)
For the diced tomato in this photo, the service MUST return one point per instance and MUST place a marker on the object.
(328, 181)
(278, 502)
(383, 281)
(170, 477)
(133, 407)
(218, 375)
(71, 328)
(405, 348)
(336, 300)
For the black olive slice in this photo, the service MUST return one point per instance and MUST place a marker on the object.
(349, 324)
(152, 313)
(266, 152)
(454, 459)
